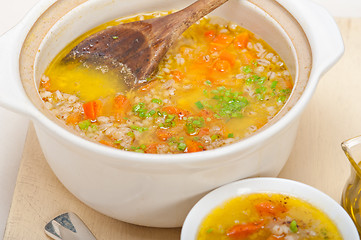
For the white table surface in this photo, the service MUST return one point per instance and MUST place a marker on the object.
(14, 127)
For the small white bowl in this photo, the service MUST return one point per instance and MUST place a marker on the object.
(272, 185)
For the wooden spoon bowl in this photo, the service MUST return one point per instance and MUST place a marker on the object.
(136, 48)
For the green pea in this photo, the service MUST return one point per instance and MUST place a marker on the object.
(293, 226)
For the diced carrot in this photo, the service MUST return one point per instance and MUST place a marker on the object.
(287, 84)
(177, 75)
(242, 40)
(74, 118)
(223, 39)
(92, 109)
(120, 102)
(231, 58)
(203, 131)
(46, 85)
(214, 47)
(242, 231)
(205, 113)
(147, 87)
(153, 148)
(107, 143)
(193, 146)
(200, 66)
(220, 42)
(222, 65)
(270, 208)
(209, 35)
(177, 111)
(121, 105)
(163, 134)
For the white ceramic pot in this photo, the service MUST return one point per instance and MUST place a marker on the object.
(159, 190)
(302, 191)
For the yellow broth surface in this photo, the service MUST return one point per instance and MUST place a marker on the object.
(267, 217)
(218, 84)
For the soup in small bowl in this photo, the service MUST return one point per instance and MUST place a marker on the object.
(270, 209)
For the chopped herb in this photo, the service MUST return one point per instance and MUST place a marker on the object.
(197, 122)
(93, 127)
(249, 80)
(256, 78)
(131, 134)
(208, 82)
(115, 37)
(261, 80)
(247, 69)
(158, 101)
(139, 109)
(150, 113)
(217, 116)
(230, 135)
(293, 226)
(214, 137)
(274, 84)
(209, 230)
(215, 92)
(285, 91)
(282, 99)
(193, 124)
(182, 146)
(83, 125)
(137, 128)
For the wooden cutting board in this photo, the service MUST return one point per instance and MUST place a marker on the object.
(332, 116)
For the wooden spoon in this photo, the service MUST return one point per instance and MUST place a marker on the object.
(136, 48)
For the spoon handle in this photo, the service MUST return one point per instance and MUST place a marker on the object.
(199, 9)
(68, 226)
(181, 20)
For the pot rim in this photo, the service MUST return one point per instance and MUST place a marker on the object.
(319, 65)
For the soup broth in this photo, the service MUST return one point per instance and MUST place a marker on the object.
(218, 84)
(269, 217)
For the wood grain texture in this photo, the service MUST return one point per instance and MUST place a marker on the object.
(332, 116)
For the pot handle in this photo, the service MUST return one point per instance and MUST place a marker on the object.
(12, 94)
(322, 32)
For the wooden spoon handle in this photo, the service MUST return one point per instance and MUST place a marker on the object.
(199, 9)
(179, 21)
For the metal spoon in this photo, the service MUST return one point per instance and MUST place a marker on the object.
(68, 226)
